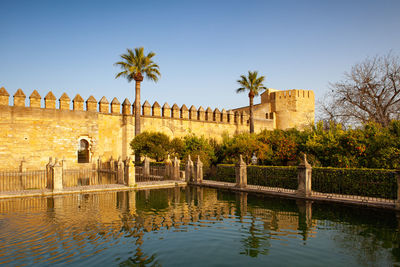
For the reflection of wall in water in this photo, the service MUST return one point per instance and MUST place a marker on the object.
(102, 210)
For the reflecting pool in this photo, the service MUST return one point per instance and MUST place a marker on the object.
(193, 226)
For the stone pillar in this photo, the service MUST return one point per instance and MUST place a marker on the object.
(168, 169)
(398, 189)
(120, 171)
(304, 178)
(198, 171)
(130, 167)
(176, 172)
(241, 173)
(22, 166)
(22, 169)
(49, 173)
(57, 173)
(64, 163)
(189, 170)
(146, 167)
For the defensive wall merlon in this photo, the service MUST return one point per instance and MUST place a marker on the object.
(114, 108)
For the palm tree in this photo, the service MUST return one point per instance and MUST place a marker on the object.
(254, 84)
(135, 64)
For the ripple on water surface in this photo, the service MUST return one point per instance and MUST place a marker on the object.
(192, 226)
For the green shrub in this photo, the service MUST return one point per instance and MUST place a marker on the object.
(273, 176)
(359, 182)
(224, 173)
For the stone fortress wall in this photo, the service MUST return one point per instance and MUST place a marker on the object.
(36, 132)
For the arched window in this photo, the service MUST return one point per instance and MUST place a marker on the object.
(83, 152)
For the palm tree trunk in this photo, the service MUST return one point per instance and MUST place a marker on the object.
(251, 97)
(137, 108)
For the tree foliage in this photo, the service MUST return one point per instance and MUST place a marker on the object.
(254, 84)
(135, 63)
(370, 92)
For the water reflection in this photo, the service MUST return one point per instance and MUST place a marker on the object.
(164, 227)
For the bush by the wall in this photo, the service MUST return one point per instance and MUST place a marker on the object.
(359, 182)
(223, 173)
(284, 177)
(273, 176)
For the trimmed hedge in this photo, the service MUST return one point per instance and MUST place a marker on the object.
(359, 182)
(273, 176)
(224, 173)
(284, 177)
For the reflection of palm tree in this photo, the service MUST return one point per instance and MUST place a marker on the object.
(132, 228)
(257, 242)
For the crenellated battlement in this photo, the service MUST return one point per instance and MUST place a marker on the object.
(127, 109)
(40, 126)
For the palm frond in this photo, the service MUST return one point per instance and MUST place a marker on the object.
(135, 61)
(251, 82)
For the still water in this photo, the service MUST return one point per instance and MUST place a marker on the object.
(193, 227)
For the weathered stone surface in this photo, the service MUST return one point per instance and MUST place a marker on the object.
(166, 111)
(115, 106)
(104, 105)
(37, 133)
(91, 104)
(64, 102)
(175, 111)
(35, 99)
(19, 98)
(78, 102)
(50, 101)
(146, 108)
(126, 107)
(184, 114)
(156, 109)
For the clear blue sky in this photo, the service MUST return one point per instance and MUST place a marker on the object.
(202, 47)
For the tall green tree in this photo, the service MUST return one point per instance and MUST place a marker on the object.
(254, 85)
(135, 65)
